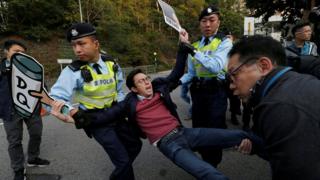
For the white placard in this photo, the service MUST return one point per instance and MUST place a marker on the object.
(21, 85)
(170, 16)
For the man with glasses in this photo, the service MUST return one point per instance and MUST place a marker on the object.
(286, 106)
(150, 108)
(301, 45)
(13, 122)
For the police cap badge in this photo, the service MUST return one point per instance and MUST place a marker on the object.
(208, 11)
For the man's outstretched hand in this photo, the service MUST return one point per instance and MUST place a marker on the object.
(56, 107)
(245, 146)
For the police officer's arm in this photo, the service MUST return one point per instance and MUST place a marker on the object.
(83, 119)
(65, 85)
(219, 60)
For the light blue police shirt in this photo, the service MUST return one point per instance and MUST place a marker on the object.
(70, 81)
(214, 63)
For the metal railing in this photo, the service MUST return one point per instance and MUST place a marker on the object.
(148, 69)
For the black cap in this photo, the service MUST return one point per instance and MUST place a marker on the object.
(80, 30)
(208, 11)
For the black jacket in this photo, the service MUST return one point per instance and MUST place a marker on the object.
(305, 64)
(127, 108)
(5, 100)
(287, 117)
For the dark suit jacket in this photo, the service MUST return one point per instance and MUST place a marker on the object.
(127, 108)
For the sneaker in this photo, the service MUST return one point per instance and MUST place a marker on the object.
(20, 175)
(38, 162)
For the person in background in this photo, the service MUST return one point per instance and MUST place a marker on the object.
(13, 122)
(301, 45)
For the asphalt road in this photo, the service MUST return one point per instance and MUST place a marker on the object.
(74, 156)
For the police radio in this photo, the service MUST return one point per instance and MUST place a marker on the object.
(86, 75)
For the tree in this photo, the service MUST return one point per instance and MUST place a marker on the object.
(291, 10)
(34, 19)
(3, 15)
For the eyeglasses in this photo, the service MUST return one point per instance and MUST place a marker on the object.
(143, 80)
(304, 31)
(235, 71)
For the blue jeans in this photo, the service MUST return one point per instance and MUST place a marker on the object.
(179, 148)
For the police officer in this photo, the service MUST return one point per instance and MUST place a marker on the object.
(13, 122)
(97, 81)
(206, 63)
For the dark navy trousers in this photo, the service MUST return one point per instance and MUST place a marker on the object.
(122, 146)
(209, 111)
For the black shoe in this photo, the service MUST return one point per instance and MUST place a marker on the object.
(234, 119)
(20, 175)
(38, 162)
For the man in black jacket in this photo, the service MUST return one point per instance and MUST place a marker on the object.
(13, 122)
(150, 108)
(286, 106)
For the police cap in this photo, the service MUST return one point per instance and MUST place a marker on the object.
(208, 11)
(80, 30)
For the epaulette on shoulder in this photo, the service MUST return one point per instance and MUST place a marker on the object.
(107, 57)
(221, 36)
(75, 65)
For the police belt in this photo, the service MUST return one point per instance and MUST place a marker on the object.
(100, 109)
(169, 135)
(97, 110)
(204, 83)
